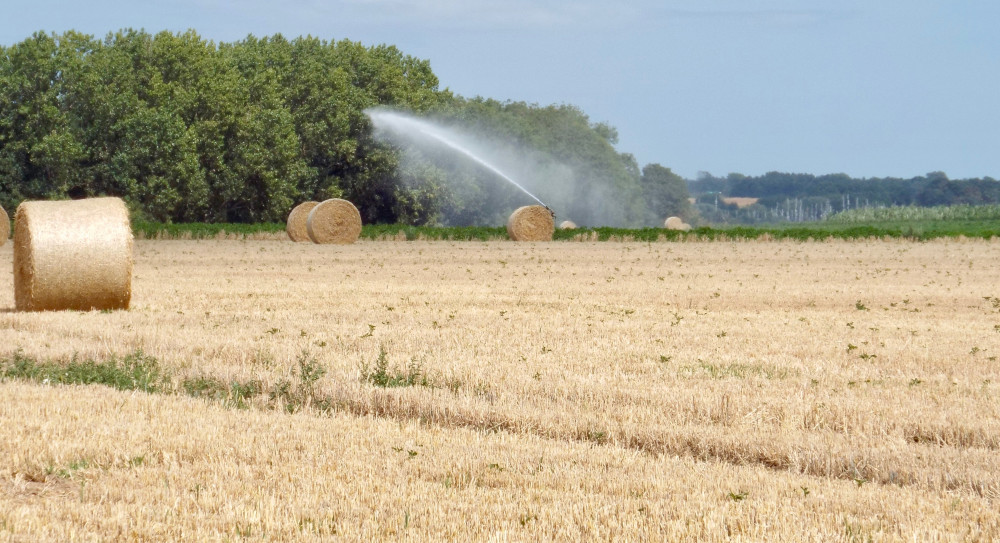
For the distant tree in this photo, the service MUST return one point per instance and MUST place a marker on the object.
(665, 194)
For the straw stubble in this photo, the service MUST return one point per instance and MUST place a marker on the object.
(72, 255)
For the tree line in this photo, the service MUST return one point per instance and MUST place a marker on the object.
(187, 130)
(806, 197)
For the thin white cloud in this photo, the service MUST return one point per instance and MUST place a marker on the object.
(525, 14)
(483, 13)
(581, 13)
(788, 17)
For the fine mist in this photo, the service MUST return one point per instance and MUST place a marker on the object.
(485, 179)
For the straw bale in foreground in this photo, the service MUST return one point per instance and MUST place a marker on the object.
(72, 255)
(296, 225)
(334, 221)
(531, 223)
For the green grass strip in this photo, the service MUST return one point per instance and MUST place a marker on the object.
(915, 230)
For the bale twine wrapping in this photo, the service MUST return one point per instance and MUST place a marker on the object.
(334, 221)
(296, 225)
(4, 226)
(531, 223)
(73, 254)
(567, 225)
(673, 223)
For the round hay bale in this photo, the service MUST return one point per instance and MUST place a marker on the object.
(74, 254)
(673, 223)
(686, 227)
(567, 225)
(531, 223)
(334, 221)
(296, 225)
(4, 226)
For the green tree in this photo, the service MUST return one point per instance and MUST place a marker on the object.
(40, 144)
(665, 194)
(189, 130)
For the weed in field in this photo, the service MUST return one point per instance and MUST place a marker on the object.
(382, 376)
(136, 371)
(738, 496)
(737, 370)
(677, 319)
(597, 436)
(69, 470)
(233, 394)
(303, 393)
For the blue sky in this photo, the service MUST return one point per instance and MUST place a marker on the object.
(868, 88)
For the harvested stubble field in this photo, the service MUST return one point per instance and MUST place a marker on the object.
(509, 391)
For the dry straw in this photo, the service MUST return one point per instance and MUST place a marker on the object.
(72, 255)
(296, 225)
(334, 221)
(4, 226)
(674, 223)
(567, 225)
(531, 223)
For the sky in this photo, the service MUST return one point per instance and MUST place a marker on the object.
(868, 88)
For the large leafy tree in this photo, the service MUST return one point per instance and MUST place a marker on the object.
(40, 145)
(189, 130)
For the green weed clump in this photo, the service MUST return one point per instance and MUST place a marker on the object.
(141, 372)
(136, 371)
(381, 375)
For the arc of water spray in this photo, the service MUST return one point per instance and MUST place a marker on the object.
(478, 160)
(423, 128)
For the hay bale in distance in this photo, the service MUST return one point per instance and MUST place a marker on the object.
(567, 225)
(4, 226)
(296, 225)
(686, 227)
(673, 223)
(334, 221)
(74, 254)
(531, 223)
